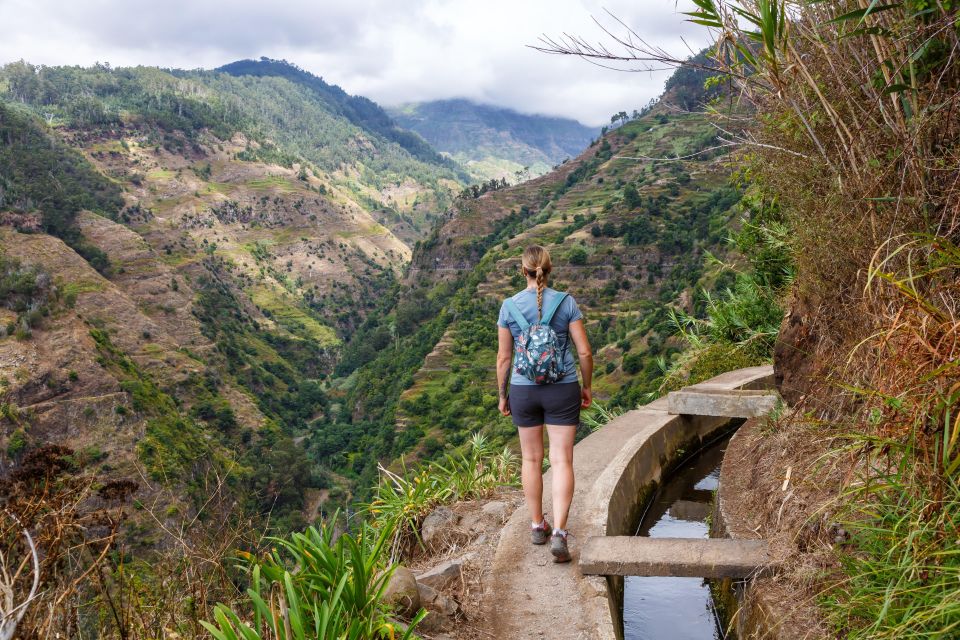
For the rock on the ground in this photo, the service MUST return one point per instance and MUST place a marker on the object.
(436, 601)
(402, 592)
(496, 510)
(443, 574)
(434, 525)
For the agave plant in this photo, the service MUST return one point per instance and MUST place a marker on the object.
(402, 501)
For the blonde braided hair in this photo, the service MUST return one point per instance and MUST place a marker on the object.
(536, 264)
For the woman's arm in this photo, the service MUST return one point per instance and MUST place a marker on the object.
(504, 358)
(579, 336)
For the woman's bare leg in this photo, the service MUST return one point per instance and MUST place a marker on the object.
(561, 465)
(531, 471)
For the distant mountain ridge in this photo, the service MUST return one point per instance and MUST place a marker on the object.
(494, 141)
(359, 110)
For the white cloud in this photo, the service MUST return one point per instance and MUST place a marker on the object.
(391, 52)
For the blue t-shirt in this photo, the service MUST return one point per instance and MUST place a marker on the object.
(568, 312)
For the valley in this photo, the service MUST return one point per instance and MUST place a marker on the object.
(247, 343)
(495, 143)
(270, 287)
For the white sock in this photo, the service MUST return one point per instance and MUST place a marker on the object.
(537, 525)
(562, 532)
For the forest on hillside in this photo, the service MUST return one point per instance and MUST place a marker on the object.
(217, 339)
(246, 321)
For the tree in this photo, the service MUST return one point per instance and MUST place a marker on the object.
(620, 117)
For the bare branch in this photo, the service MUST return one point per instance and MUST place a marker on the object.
(11, 613)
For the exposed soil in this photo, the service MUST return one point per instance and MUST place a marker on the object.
(779, 483)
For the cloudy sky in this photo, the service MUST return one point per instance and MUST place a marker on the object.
(392, 51)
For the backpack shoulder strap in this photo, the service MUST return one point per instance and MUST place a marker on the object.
(514, 311)
(548, 316)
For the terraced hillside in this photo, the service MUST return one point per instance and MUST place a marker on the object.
(628, 227)
(227, 252)
(186, 326)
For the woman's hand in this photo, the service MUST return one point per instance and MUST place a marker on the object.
(586, 398)
(505, 405)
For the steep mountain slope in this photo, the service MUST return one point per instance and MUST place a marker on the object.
(359, 110)
(494, 142)
(285, 122)
(249, 242)
(628, 236)
(219, 252)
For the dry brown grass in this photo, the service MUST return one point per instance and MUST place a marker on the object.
(101, 574)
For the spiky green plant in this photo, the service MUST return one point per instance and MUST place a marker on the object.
(404, 498)
(599, 415)
(316, 585)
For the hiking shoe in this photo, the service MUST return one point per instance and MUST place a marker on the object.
(558, 546)
(540, 533)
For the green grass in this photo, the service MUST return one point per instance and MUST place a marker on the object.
(224, 188)
(272, 183)
(291, 317)
(160, 174)
(81, 286)
(901, 567)
(369, 230)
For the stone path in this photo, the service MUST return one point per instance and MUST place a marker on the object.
(529, 596)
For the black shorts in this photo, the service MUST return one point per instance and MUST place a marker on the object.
(533, 405)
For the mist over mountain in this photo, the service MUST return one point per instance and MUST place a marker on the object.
(494, 142)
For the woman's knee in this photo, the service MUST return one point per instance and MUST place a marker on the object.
(532, 457)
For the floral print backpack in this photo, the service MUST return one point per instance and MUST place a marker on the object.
(539, 357)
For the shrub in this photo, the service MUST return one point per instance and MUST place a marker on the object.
(577, 256)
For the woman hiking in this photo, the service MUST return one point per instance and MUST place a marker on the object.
(534, 331)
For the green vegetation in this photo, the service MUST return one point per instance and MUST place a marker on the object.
(172, 444)
(288, 115)
(285, 312)
(360, 111)
(859, 154)
(900, 570)
(403, 499)
(315, 585)
(664, 237)
(493, 142)
(38, 172)
(279, 369)
(332, 586)
(742, 320)
(26, 291)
